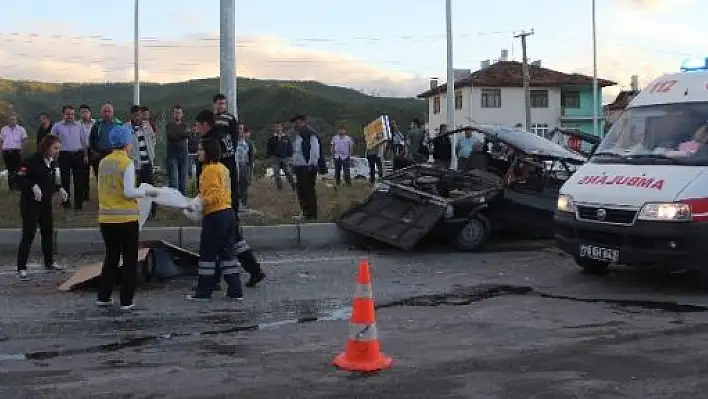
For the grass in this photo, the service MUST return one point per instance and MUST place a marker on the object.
(273, 206)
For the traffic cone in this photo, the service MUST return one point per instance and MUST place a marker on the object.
(363, 351)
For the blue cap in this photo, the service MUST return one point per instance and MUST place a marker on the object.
(120, 136)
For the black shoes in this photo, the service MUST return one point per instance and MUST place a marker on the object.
(255, 279)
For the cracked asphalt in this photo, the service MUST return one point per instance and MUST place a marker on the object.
(505, 324)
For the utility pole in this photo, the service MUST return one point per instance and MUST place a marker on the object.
(136, 54)
(227, 57)
(527, 77)
(595, 94)
(450, 82)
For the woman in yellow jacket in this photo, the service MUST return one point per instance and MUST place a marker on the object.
(217, 239)
(118, 218)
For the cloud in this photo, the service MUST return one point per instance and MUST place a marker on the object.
(59, 58)
(651, 5)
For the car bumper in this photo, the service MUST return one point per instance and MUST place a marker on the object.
(674, 246)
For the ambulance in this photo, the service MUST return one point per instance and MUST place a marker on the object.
(642, 198)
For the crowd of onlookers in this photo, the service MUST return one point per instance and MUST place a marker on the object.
(84, 142)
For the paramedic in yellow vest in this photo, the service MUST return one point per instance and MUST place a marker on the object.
(118, 218)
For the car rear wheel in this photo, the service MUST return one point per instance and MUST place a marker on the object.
(473, 235)
(592, 267)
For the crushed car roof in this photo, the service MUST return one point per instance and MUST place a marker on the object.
(528, 143)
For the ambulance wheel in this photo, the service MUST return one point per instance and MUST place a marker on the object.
(592, 267)
(473, 235)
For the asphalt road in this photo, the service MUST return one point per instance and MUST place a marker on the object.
(494, 325)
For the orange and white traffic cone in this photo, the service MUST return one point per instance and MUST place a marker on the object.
(363, 351)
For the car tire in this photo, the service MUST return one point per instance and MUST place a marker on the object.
(592, 267)
(473, 235)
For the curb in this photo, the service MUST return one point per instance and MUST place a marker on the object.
(278, 237)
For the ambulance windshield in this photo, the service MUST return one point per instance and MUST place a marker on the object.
(658, 134)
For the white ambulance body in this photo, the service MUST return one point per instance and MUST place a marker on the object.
(642, 199)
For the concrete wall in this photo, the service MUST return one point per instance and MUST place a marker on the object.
(289, 236)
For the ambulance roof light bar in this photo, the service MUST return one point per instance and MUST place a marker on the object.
(694, 64)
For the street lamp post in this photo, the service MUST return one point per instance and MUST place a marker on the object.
(450, 107)
(227, 58)
(136, 54)
(595, 94)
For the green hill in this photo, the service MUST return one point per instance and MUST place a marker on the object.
(261, 102)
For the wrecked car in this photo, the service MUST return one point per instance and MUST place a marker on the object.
(517, 190)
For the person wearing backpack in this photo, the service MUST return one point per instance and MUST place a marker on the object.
(308, 160)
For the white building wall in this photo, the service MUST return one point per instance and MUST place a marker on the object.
(462, 116)
(510, 113)
(512, 109)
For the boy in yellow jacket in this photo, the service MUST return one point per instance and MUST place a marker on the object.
(216, 241)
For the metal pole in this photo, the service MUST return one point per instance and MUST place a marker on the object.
(136, 54)
(227, 59)
(526, 78)
(595, 94)
(450, 82)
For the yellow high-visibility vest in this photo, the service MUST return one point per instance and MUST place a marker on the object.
(113, 206)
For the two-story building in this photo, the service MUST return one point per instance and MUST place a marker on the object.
(495, 95)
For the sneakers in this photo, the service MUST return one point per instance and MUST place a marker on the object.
(55, 266)
(108, 303)
(127, 308)
(195, 297)
(104, 304)
(22, 274)
(255, 279)
(217, 287)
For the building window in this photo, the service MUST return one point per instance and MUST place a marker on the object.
(491, 98)
(539, 98)
(436, 105)
(570, 99)
(540, 129)
(458, 99)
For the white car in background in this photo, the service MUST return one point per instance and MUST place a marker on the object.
(359, 169)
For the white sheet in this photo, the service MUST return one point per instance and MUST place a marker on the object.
(172, 198)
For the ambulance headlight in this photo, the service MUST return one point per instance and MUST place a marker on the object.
(565, 203)
(665, 212)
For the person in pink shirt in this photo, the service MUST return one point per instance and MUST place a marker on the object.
(12, 139)
(700, 138)
(342, 147)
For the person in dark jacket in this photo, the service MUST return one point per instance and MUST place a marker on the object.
(39, 178)
(45, 127)
(442, 148)
(307, 152)
(207, 125)
(279, 151)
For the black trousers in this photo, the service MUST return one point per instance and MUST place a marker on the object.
(306, 179)
(13, 161)
(87, 181)
(342, 165)
(73, 169)
(146, 175)
(33, 214)
(374, 164)
(120, 239)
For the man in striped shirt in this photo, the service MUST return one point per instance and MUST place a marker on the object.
(143, 146)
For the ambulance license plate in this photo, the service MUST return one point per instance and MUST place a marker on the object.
(599, 253)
